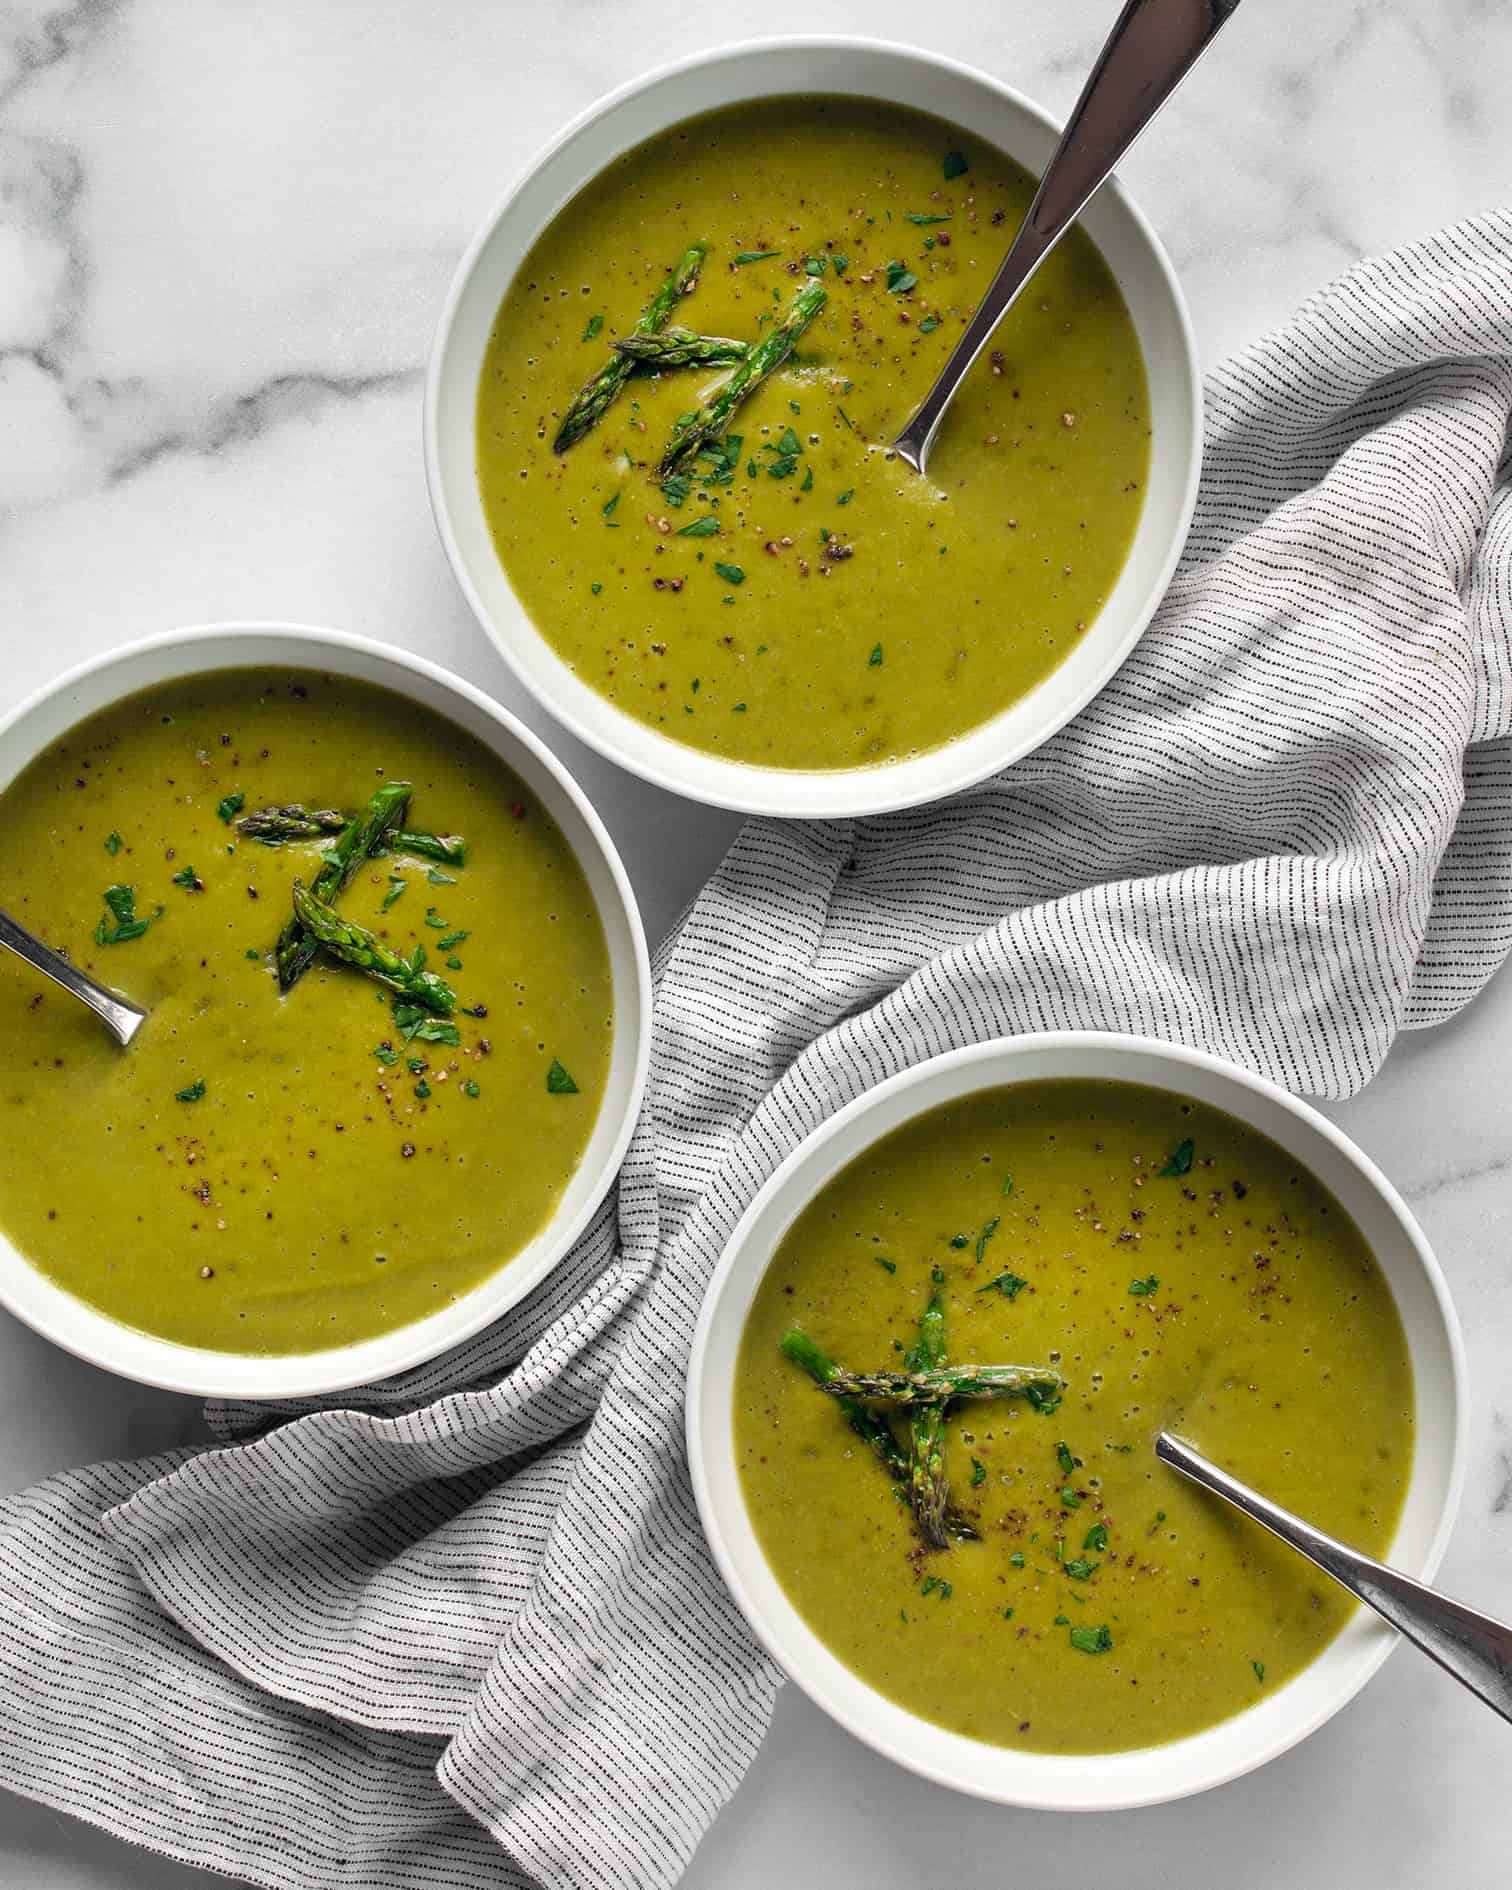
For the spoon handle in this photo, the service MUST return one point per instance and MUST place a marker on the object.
(1471, 1646)
(124, 1019)
(1153, 46)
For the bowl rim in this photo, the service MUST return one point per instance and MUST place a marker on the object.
(744, 787)
(710, 1432)
(191, 1369)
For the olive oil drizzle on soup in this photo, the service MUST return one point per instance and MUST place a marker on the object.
(1180, 1271)
(802, 600)
(266, 1173)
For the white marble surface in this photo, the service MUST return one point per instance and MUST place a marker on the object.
(225, 232)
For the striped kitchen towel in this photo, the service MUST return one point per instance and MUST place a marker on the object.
(462, 1630)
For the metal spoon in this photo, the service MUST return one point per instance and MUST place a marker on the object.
(1148, 53)
(1471, 1646)
(124, 1019)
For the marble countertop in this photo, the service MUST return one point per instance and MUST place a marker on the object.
(225, 233)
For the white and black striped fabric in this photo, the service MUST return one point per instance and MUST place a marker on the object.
(462, 1630)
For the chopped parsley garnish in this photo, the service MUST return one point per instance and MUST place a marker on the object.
(846, 418)
(595, 327)
(937, 1274)
(113, 844)
(1179, 1161)
(1044, 1398)
(386, 1054)
(987, 1232)
(900, 279)
(1069, 1498)
(1080, 1570)
(422, 1090)
(815, 265)
(929, 324)
(846, 496)
(978, 1473)
(936, 1584)
(913, 216)
(469, 1087)
(808, 480)
(415, 1065)
(188, 879)
(558, 1082)
(1016, 1560)
(743, 256)
(675, 489)
(958, 1241)
(1064, 1458)
(1010, 1285)
(890, 1266)
(840, 264)
(396, 889)
(122, 903)
(415, 1024)
(731, 573)
(252, 953)
(230, 807)
(451, 941)
(738, 709)
(874, 661)
(436, 923)
(1259, 1668)
(1092, 1640)
(610, 503)
(438, 878)
(704, 526)
(1096, 1538)
(955, 165)
(191, 1092)
(1141, 1289)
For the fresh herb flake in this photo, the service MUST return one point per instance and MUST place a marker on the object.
(1092, 1640)
(558, 1082)
(1141, 1289)
(955, 165)
(978, 1473)
(1010, 1285)
(913, 216)
(188, 879)
(987, 1232)
(595, 327)
(704, 526)
(929, 324)
(610, 503)
(890, 1266)
(900, 279)
(1044, 1398)
(744, 256)
(113, 844)
(191, 1092)
(1064, 1458)
(1259, 1670)
(1096, 1538)
(230, 807)
(438, 878)
(731, 573)
(815, 265)
(1179, 1161)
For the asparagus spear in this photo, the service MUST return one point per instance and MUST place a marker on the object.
(294, 822)
(295, 947)
(361, 948)
(763, 358)
(873, 1431)
(926, 1430)
(594, 400)
(904, 1390)
(680, 347)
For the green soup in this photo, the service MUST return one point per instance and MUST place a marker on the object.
(264, 1173)
(796, 597)
(1181, 1272)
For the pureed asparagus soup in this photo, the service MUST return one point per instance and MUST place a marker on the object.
(726, 549)
(267, 1170)
(1028, 1574)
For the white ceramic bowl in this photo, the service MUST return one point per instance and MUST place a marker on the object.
(761, 68)
(79, 1328)
(1085, 1782)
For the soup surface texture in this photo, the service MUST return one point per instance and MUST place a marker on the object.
(1107, 1604)
(794, 598)
(263, 1173)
